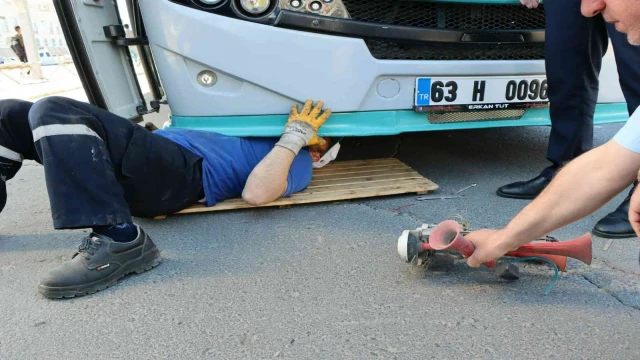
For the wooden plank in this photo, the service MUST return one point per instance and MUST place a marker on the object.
(310, 198)
(343, 181)
(362, 180)
(363, 172)
(324, 171)
(410, 185)
(359, 163)
(363, 176)
(320, 187)
(328, 195)
(343, 195)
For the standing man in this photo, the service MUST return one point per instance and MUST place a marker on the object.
(590, 180)
(17, 45)
(575, 46)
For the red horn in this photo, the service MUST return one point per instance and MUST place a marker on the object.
(579, 248)
(560, 261)
(446, 236)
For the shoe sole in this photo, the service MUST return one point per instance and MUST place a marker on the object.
(148, 261)
(613, 236)
(520, 197)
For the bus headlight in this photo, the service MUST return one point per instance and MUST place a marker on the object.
(255, 7)
(210, 2)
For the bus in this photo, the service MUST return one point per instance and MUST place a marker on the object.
(384, 67)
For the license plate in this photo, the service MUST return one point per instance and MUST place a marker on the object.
(486, 93)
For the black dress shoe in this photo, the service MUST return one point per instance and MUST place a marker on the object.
(3, 195)
(524, 189)
(616, 225)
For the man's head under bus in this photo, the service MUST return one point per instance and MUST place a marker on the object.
(322, 155)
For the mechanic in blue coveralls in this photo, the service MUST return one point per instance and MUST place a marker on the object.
(101, 170)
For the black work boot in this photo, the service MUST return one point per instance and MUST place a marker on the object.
(616, 224)
(99, 263)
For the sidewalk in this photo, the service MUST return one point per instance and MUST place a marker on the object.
(61, 80)
(16, 84)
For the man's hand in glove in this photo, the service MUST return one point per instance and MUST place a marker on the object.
(302, 127)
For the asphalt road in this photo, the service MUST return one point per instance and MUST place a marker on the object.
(325, 281)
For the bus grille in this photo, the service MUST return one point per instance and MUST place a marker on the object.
(395, 50)
(453, 117)
(449, 16)
(446, 15)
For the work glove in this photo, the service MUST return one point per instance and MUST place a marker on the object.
(302, 127)
(531, 4)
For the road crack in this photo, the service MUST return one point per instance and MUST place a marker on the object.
(394, 212)
(610, 293)
(617, 268)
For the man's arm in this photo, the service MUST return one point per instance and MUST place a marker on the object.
(579, 189)
(268, 181)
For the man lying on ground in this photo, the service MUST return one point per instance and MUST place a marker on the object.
(589, 181)
(101, 170)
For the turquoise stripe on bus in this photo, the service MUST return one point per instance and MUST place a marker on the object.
(374, 123)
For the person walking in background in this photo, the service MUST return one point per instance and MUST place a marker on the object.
(575, 46)
(17, 45)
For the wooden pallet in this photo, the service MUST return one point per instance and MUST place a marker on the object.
(342, 181)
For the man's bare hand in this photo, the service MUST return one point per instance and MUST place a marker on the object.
(634, 212)
(302, 127)
(489, 246)
(531, 4)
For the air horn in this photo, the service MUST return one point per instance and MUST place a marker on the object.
(448, 236)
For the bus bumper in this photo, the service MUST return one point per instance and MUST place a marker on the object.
(376, 123)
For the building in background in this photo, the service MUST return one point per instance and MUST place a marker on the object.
(46, 30)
